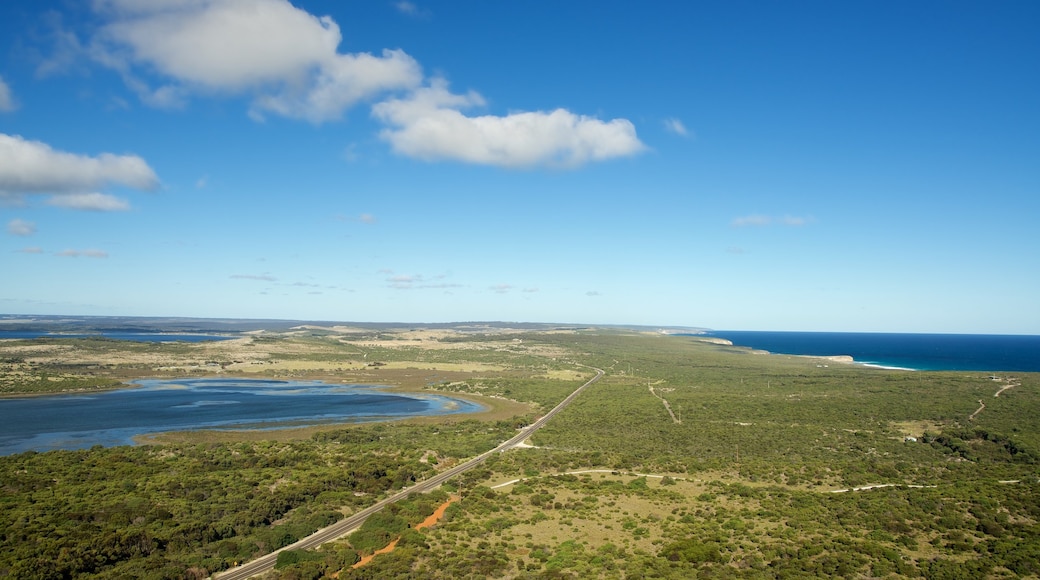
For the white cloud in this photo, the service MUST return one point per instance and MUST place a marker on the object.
(19, 227)
(367, 218)
(287, 61)
(33, 167)
(32, 250)
(224, 45)
(675, 126)
(428, 125)
(343, 81)
(89, 202)
(7, 102)
(286, 57)
(83, 253)
(501, 288)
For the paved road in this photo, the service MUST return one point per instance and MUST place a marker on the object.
(345, 526)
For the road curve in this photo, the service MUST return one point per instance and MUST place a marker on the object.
(345, 526)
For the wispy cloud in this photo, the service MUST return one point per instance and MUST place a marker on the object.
(760, 220)
(404, 281)
(258, 277)
(501, 288)
(83, 253)
(89, 202)
(676, 126)
(350, 154)
(364, 218)
(31, 250)
(418, 282)
(409, 8)
(7, 102)
(66, 53)
(796, 221)
(20, 227)
(751, 220)
(593, 293)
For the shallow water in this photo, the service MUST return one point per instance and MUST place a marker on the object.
(79, 421)
(131, 336)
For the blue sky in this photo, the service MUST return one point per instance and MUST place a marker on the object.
(845, 166)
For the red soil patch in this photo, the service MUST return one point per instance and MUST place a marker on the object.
(428, 522)
(389, 548)
(437, 514)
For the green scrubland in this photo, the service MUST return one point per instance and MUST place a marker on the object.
(687, 459)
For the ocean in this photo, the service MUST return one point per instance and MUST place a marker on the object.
(926, 352)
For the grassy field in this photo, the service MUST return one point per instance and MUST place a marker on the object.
(687, 459)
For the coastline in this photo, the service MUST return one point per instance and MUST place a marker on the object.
(924, 352)
(848, 360)
(843, 359)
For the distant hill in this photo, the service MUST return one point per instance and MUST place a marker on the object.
(148, 324)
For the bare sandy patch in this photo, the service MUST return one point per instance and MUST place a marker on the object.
(466, 367)
(338, 329)
(917, 428)
(564, 375)
(35, 349)
(267, 366)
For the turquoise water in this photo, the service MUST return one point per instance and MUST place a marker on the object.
(940, 352)
(115, 417)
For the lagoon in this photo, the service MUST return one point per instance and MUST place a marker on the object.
(79, 421)
(114, 335)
